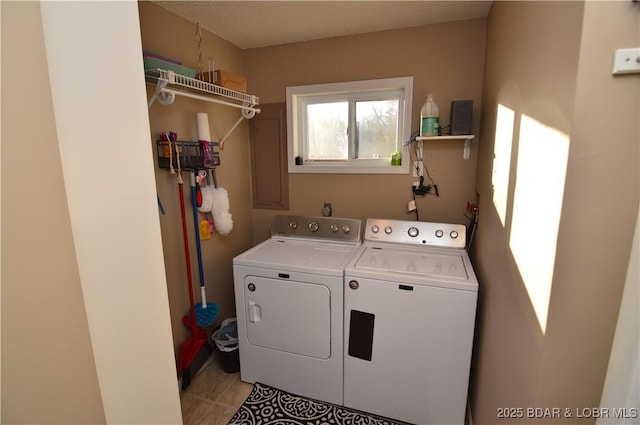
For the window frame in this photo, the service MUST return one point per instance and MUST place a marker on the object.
(300, 96)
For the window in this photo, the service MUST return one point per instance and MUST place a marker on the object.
(351, 127)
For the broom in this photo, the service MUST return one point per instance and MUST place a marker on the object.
(192, 345)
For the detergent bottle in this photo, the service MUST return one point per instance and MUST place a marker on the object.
(429, 118)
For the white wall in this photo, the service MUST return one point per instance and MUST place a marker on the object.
(48, 368)
(98, 90)
(622, 386)
(569, 88)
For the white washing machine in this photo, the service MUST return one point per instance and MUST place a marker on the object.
(410, 305)
(289, 303)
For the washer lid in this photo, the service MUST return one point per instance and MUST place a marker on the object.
(441, 267)
(300, 255)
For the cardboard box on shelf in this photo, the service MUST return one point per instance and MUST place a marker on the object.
(231, 81)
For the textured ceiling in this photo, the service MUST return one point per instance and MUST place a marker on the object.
(250, 24)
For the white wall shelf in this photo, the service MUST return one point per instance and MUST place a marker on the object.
(169, 84)
(466, 137)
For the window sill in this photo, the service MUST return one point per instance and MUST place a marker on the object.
(319, 168)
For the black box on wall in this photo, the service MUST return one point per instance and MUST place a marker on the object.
(461, 111)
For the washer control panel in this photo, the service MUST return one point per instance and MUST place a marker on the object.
(329, 228)
(416, 233)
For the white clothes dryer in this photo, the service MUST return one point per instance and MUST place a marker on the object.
(289, 304)
(410, 305)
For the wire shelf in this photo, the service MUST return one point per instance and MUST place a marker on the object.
(173, 83)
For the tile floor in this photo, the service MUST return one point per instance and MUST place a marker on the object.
(213, 396)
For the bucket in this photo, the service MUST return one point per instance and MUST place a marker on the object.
(225, 341)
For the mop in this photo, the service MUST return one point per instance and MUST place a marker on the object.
(206, 313)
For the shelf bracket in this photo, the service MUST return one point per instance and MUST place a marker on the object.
(231, 131)
(160, 94)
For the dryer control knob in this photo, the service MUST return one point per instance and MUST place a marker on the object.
(453, 234)
(353, 284)
(334, 228)
(413, 232)
(388, 230)
(346, 229)
(313, 226)
(293, 225)
(439, 233)
(375, 229)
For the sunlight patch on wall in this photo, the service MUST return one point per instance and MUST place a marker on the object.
(541, 170)
(502, 160)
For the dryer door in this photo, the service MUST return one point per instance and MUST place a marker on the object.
(288, 316)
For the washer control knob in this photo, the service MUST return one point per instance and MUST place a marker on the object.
(439, 233)
(334, 228)
(251, 287)
(346, 228)
(293, 225)
(353, 284)
(453, 234)
(388, 230)
(413, 232)
(314, 226)
(375, 229)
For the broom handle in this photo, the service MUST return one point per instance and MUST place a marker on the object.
(186, 244)
(203, 296)
(173, 137)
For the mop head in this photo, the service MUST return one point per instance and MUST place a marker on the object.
(206, 316)
(221, 216)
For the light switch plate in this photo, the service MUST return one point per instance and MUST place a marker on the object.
(626, 61)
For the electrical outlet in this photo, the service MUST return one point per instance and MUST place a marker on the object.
(417, 168)
(626, 61)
